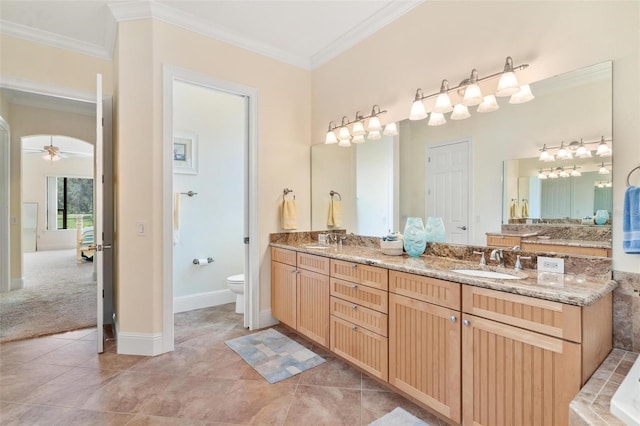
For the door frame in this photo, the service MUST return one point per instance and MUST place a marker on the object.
(469, 141)
(5, 199)
(170, 73)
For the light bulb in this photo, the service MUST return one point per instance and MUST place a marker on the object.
(522, 96)
(489, 104)
(460, 112)
(390, 129)
(436, 119)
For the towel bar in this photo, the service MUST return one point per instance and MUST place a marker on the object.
(332, 193)
(629, 175)
(190, 193)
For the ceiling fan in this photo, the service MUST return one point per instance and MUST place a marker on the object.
(51, 152)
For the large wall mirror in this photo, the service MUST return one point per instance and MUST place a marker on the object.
(497, 161)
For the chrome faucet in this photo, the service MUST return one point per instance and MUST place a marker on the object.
(483, 260)
(497, 255)
(518, 265)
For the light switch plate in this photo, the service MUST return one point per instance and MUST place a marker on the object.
(550, 264)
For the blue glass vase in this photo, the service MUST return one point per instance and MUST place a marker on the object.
(415, 238)
(435, 230)
(602, 216)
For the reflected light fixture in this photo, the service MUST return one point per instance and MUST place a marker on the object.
(436, 119)
(552, 174)
(443, 102)
(564, 153)
(374, 135)
(575, 172)
(460, 112)
(390, 129)
(508, 84)
(545, 155)
(488, 104)
(522, 96)
(576, 149)
(603, 170)
(563, 173)
(541, 175)
(358, 126)
(358, 131)
(357, 139)
(603, 149)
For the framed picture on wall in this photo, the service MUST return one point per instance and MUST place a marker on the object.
(185, 153)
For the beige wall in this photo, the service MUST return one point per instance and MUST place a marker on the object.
(438, 40)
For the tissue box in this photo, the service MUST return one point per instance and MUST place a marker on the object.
(392, 248)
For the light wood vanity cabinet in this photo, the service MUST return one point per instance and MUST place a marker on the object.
(359, 307)
(424, 340)
(300, 293)
(503, 241)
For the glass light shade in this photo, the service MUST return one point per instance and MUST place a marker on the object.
(575, 172)
(358, 129)
(390, 129)
(522, 96)
(608, 184)
(603, 149)
(344, 134)
(443, 103)
(553, 175)
(472, 95)
(460, 112)
(563, 173)
(550, 158)
(374, 124)
(541, 175)
(358, 139)
(331, 138)
(603, 170)
(508, 84)
(345, 143)
(374, 135)
(417, 111)
(563, 153)
(544, 154)
(489, 104)
(436, 119)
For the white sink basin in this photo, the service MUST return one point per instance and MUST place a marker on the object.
(312, 246)
(487, 274)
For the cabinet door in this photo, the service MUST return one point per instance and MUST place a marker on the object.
(514, 376)
(313, 306)
(364, 348)
(371, 276)
(283, 293)
(424, 353)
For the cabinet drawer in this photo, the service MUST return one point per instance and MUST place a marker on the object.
(543, 316)
(283, 256)
(313, 263)
(360, 274)
(432, 290)
(362, 347)
(503, 241)
(554, 248)
(359, 315)
(360, 294)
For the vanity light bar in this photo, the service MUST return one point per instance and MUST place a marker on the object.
(357, 134)
(566, 152)
(469, 89)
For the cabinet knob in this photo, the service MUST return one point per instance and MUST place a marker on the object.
(453, 318)
(466, 323)
(354, 286)
(354, 306)
(354, 328)
(354, 265)
(293, 271)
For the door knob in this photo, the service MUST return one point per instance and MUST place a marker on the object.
(463, 227)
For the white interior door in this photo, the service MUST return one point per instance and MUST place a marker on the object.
(447, 186)
(97, 215)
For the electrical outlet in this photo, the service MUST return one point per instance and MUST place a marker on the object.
(550, 264)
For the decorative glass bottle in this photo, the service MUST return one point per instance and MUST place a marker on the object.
(415, 238)
(435, 230)
(602, 217)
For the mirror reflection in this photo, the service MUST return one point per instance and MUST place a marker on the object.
(468, 171)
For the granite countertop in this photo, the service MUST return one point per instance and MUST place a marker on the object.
(573, 289)
(513, 234)
(573, 243)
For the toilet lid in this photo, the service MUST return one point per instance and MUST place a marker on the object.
(236, 278)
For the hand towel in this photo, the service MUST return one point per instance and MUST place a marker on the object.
(335, 214)
(631, 221)
(525, 208)
(513, 210)
(289, 215)
(176, 218)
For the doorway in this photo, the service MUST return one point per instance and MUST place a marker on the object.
(183, 165)
(447, 187)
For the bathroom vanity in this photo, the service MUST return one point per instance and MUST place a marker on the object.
(475, 350)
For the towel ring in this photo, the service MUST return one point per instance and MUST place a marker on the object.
(630, 173)
(332, 193)
(285, 192)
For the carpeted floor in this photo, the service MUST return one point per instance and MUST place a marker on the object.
(59, 295)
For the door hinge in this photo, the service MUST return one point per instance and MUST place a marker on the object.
(246, 240)
(102, 178)
(428, 159)
(102, 121)
(103, 293)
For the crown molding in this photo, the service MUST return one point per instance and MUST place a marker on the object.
(372, 24)
(56, 40)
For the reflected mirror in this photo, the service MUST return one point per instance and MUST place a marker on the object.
(568, 107)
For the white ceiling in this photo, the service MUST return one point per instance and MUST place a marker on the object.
(304, 33)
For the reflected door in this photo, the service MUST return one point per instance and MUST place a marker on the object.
(447, 186)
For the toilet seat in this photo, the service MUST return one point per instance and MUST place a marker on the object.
(236, 279)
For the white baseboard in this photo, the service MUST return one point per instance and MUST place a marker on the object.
(202, 300)
(266, 320)
(146, 344)
(17, 284)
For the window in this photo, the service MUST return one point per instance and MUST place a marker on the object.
(67, 199)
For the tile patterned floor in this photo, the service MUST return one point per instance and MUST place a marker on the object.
(60, 380)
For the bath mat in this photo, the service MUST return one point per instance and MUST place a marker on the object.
(398, 417)
(274, 355)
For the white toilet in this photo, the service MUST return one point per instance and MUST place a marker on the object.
(235, 283)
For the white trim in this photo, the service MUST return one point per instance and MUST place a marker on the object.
(206, 299)
(45, 89)
(60, 41)
(147, 344)
(364, 29)
(5, 202)
(266, 320)
(252, 285)
(17, 284)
